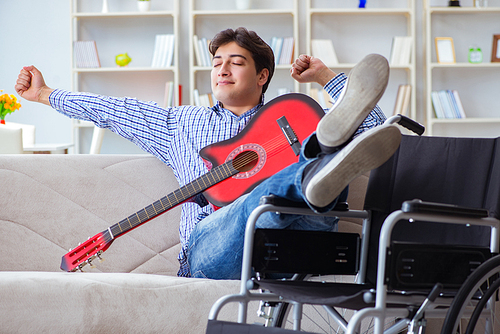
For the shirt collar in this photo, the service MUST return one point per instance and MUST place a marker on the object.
(218, 108)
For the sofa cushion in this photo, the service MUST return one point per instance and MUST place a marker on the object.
(52, 203)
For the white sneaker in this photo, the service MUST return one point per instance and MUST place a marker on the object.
(365, 85)
(334, 172)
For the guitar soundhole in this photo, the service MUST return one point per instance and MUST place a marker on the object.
(248, 159)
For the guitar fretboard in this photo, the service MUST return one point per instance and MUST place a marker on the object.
(216, 175)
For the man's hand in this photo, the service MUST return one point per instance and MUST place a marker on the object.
(310, 69)
(31, 86)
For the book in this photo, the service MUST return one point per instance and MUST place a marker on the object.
(278, 43)
(169, 95)
(324, 50)
(204, 53)
(197, 51)
(447, 104)
(163, 51)
(436, 103)
(458, 100)
(402, 103)
(401, 51)
(286, 55)
(86, 55)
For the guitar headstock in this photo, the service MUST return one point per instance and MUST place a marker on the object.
(86, 252)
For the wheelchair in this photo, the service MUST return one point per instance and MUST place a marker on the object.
(428, 249)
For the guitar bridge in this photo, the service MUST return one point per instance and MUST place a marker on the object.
(290, 135)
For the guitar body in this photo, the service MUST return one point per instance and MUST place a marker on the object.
(264, 136)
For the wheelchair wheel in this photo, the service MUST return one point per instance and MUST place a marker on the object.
(475, 308)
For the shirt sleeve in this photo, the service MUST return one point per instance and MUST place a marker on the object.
(144, 123)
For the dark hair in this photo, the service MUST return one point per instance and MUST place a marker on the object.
(262, 53)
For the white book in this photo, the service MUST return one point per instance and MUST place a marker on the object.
(169, 50)
(286, 51)
(203, 44)
(196, 97)
(197, 51)
(156, 52)
(277, 50)
(86, 55)
(324, 50)
(436, 103)
(459, 104)
(446, 104)
(401, 50)
(163, 50)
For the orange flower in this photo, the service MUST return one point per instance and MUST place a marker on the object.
(8, 104)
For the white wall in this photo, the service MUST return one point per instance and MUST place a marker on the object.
(38, 32)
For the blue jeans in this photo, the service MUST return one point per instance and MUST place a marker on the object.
(216, 243)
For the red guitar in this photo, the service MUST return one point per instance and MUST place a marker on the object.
(269, 143)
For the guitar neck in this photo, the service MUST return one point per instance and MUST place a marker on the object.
(214, 176)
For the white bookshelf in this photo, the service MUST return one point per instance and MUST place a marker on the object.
(477, 84)
(277, 18)
(124, 29)
(356, 32)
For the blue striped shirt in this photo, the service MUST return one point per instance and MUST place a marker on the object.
(174, 135)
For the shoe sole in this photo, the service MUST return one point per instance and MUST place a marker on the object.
(367, 151)
(365, 86)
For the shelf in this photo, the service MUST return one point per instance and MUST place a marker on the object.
(123, 14)
(362, 11)
(242, 12)
(465, 65)
(123, 69)
(477, 84)
(116, 32)
(471, 120)
(463, 10)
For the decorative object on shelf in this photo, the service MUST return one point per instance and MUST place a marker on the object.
(454, 3)
(445, 51)
(475, 55)
(8, 104)
(123, 59)
(104, 6)
(495, 49)
(362, 3)
(243, 4)
(480, 3)
(143, 5)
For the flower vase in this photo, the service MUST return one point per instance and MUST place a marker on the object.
(2, 121)
(143, 6)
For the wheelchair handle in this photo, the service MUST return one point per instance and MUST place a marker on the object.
(407, 123)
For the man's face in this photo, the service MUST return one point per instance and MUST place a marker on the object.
(235, 81)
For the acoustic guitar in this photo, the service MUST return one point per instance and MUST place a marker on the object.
(270, 142)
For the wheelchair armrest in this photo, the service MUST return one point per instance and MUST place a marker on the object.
(280, 201)
(419, 206)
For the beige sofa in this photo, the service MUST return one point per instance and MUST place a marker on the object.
(51, 203)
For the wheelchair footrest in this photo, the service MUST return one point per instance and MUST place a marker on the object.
(305, 252)
(416, 266)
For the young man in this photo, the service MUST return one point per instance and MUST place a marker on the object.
(243, 65)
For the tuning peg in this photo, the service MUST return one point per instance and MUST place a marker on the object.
(100, 259)
(89, 261)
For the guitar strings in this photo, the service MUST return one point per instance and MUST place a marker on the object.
(272, 147)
